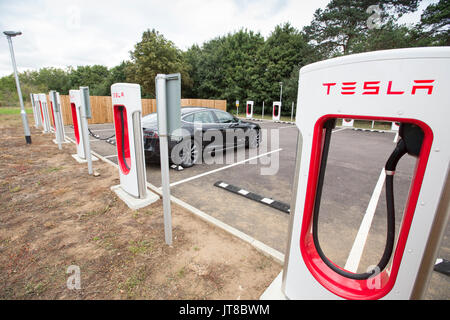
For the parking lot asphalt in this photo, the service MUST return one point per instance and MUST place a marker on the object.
(355, 162)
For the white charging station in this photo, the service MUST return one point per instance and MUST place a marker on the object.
(127, 111)
(58, 118)
(276, 111)
(348, 123)
(395, 126)
(408, 86)
(38, 108)
(44, 112)
(58, 100)
(58, 124)
(249, 110)
(75, 105)
(35, 110)
(79, 121)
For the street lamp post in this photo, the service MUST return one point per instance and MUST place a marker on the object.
(281, 91)
(9, 35)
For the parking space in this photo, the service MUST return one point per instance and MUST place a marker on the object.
(353, 194)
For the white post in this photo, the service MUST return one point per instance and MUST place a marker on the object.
(161, 104)
(35, 114)
(23, 113)
(262, 116)
(84, 94)
(281, 91)
(58, 124)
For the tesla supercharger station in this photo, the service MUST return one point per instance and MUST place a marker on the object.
(249, 110)
(276, 111)
(395, 126)
(81, 110)
(63, 131)
(38, 108)
(75, 105)
(408, 86)
(56, 110)
(35, 110)
(127, 111)
(347, 122)
(43, 108)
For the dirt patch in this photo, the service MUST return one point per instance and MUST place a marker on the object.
(54, 215)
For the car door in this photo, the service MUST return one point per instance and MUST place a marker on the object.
(206, 121)
(228, 126)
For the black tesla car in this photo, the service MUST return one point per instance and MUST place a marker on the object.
(219, 131)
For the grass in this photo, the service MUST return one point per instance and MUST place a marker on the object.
(131, 284)
(35, 288)
(52, 169)
(14, 110)
(94, 213)
(15, 189)
(139, 247)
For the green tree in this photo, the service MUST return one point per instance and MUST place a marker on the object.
(152, 55)
(93, 77)
(391, 36)
(284, 52)
(193, 58)
(222, 68)
(435, 22)
(340, 26)
(8, 92)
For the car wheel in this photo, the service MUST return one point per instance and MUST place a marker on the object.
(190, 153)
(253, 139)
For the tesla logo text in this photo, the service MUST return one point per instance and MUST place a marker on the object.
(117, 94)
(375, 87)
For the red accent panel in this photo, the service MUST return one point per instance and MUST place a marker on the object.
(75, 122)
(337, 284)
(276, 107)
(42, 114)
(53, 115)
(125, 138)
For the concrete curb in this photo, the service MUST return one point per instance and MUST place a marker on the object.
(278, 205)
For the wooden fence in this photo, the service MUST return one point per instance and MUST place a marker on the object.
(101, 107)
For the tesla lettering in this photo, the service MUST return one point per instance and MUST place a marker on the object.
(373, 87)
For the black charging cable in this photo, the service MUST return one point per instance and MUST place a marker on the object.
(399, 151)
(96, 136)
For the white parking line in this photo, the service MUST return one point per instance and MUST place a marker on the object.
(340, 129)
(360, 241)
(222, 168)
(287, 127)
(111, 156)
(112, 129)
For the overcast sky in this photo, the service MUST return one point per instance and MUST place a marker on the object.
(60, 33)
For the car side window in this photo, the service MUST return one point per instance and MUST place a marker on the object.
(203, 117)
(224, 117)
(189, 118)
